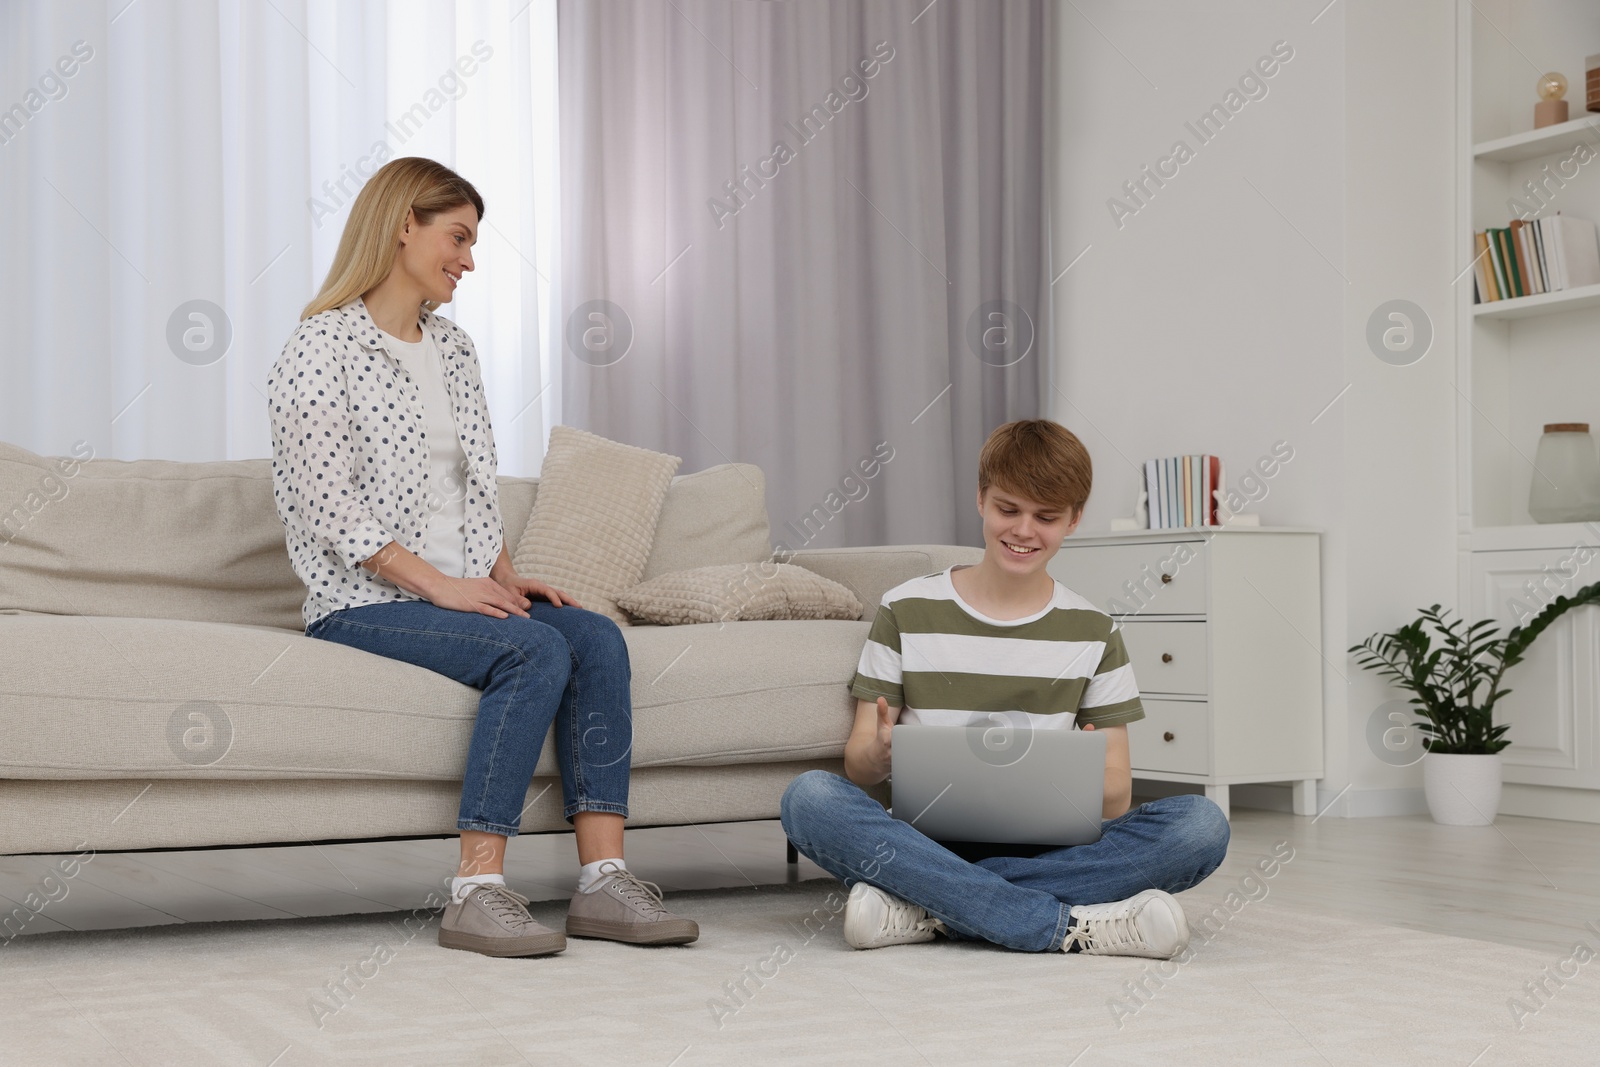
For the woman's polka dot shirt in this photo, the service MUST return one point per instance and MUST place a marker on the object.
(350, 455)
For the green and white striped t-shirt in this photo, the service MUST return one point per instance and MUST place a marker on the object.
(948, 664)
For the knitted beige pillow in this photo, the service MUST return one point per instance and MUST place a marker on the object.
(739, 591)
(594, 518)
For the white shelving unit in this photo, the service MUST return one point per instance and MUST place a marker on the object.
(1534, 144)
(1531, 360)
(1522, 307)
(1522, 363)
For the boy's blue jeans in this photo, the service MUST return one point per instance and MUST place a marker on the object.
(1023, 903)
(563, 664)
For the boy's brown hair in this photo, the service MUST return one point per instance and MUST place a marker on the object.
(1038, 459)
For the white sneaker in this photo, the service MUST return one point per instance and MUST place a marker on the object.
(1150, 924)
(873, 919)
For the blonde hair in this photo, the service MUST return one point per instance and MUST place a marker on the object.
(1038, 459)
(371, 237)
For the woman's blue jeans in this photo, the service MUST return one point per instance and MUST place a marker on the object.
(565, 665)
(1020, 902)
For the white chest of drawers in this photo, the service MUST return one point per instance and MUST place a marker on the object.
(1224, 629)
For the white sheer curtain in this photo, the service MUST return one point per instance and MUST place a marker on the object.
(809, 236)
(209, 152)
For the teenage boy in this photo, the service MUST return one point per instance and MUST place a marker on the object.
(952, 648)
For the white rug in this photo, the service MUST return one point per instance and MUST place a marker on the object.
(1273, 985)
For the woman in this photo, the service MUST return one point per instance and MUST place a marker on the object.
(384, 475)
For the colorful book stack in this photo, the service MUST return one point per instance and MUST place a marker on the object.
(1539, 256)
(1181, 490)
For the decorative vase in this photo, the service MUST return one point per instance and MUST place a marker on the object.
(1461, 790)
(1566, 475)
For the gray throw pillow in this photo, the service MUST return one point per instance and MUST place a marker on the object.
(739, 591)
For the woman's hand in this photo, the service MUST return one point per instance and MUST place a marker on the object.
(532, 587)
(496, 598)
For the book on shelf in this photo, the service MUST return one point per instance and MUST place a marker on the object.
(1483, 273)
(1519, 262)
(1187, 511)
(1533, 256)
(1181, 490)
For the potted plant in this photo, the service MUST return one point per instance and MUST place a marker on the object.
(1454, 688)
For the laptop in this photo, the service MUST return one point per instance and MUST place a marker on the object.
(999, 782)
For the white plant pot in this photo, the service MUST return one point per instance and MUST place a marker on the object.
(1462, 790)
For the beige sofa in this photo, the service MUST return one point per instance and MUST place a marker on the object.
(157, 690)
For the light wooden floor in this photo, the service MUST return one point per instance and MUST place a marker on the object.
(1526, 882)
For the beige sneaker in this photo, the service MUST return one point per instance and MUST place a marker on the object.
(494, 920)
(1149, 924)
(623, 908)
(874, 919)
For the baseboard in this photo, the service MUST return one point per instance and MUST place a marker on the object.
(1279, 796)
(1550, 802)
(1374, 803)
(1533, 801)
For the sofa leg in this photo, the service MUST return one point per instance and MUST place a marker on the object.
(791, 854)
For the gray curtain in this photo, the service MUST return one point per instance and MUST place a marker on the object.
(809, 236)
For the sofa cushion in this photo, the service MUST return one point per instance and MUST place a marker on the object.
(738, 591)
(516, 504)
(149, 538)
(873, 571)
(594, 518)
(180, 540)
(123, 697)
(711, 517)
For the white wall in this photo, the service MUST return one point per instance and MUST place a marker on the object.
(1230, 310)
(1400, 460)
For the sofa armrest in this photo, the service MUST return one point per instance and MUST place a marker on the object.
(872, 571)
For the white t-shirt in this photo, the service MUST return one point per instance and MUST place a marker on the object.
(446, 546)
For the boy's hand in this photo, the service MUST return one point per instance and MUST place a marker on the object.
(866, 754)
(885, 733)
(1119, 771)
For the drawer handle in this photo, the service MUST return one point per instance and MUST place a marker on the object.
(1166, 657)
(1166, 579)
(1167, 736)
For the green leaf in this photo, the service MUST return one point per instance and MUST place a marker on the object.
(1447, 682)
